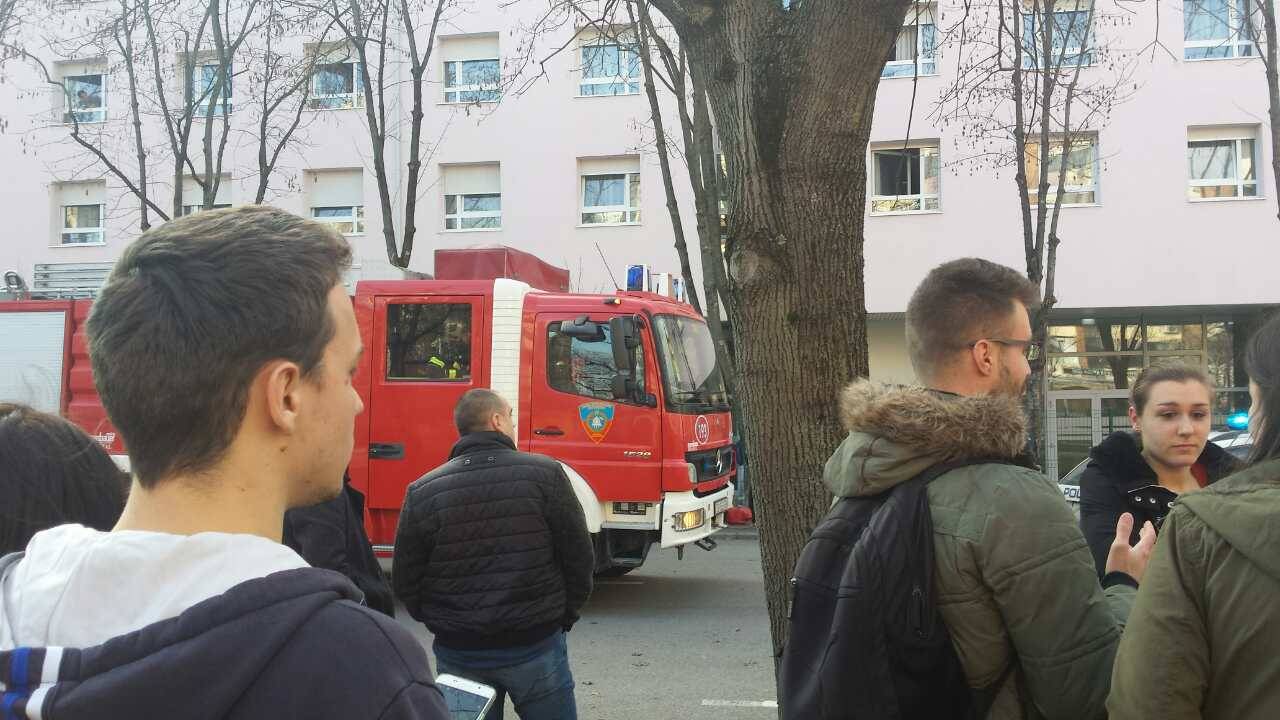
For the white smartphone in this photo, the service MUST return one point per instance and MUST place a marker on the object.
(466, 699)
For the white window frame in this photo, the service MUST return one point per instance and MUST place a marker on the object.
(224, 107)
(356, 217)
(918, 17)
(920, 197)
(99, 113)
(102, 235)
(460, 215)
(457, 90)
(632, 214)
(354, 99)
(627, 82)
(193, 209)
(1033, 184)
(1234, 40)
(1238, 181)
(1031, 60)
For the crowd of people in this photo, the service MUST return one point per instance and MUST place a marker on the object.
(202, 583)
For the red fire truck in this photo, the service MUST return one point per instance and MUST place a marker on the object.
(622, 389)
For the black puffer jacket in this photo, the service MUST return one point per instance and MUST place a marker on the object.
(492, 548)
(331, 536)
(1119, 480)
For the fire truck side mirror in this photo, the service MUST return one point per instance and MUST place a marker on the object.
(625, 342)
(623, 387)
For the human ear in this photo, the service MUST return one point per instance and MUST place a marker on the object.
(282, 385)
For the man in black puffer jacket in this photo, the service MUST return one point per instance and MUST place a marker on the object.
(493, 555)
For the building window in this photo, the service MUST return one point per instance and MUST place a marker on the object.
(906, 180)
(1070, 34)
(336, 86)
(468, 81)
(1221, 169)
(193, 209)
(611, 199)
(473, 212)
(203, 79)
(346, 219)
(429, 341)
(86, 98)
(914, 52)
(1217, 29)
(585, 367)
(82, 225)
(610, 67)
(1081, 186)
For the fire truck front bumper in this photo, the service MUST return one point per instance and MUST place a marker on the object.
(688, 518)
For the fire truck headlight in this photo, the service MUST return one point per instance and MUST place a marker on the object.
(690, 520)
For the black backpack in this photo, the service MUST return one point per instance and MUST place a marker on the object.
(866, 638)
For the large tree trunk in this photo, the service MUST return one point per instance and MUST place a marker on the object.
(793, 93)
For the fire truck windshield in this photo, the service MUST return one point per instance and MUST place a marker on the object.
(690, 374)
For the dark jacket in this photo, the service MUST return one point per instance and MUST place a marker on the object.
(1012, 574)
(492, 549)
(1119, 480)
(294, 644)
(1202, 640)
(331, 536)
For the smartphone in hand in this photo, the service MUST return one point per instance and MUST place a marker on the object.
(466, 699)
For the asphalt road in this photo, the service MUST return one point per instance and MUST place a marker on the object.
(674, 639)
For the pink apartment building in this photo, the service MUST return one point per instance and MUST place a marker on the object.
(1169, 233)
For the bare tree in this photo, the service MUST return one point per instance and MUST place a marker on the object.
(1264, 39)
(103, 32)
(137, 37)
(705, 177)
(644, 32)
(281, 87)
(1019, 101)
(792, 88)
(372, 30)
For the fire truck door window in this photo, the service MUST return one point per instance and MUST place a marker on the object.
(584, 368)
(429, 342)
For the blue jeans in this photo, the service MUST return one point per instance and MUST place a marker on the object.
(536, 676)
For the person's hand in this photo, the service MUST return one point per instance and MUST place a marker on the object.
(1131, 560)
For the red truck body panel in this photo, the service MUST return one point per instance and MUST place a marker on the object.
(638, 455)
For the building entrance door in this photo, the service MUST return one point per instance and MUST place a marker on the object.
(1078, 420)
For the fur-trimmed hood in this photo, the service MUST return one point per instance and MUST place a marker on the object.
(896, 432)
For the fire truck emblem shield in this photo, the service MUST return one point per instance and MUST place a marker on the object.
(597, 418)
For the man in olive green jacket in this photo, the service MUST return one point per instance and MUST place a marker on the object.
(1204, 632)
(1016, 584)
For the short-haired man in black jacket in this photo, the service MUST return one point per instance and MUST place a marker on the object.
(493, 555)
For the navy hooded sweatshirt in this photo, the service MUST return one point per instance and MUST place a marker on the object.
(292, 644)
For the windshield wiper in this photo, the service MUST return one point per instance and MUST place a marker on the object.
(703, 397)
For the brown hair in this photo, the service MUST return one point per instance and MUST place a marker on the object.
(192, 310)
(1150, 377)
(474, 408)
(1262, 361)
(52, 473)
(959, 302)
